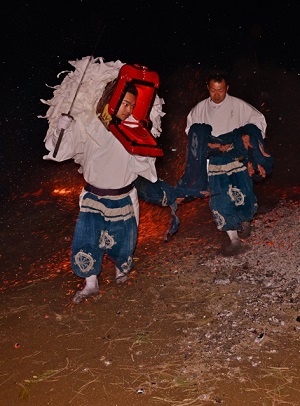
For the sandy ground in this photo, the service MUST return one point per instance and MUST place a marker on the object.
(189, 327)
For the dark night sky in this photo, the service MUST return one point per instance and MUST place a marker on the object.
(155, 33)
(38, 39)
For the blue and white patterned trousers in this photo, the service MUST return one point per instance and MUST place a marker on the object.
(105, 225)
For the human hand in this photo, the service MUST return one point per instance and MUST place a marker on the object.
(64, 122)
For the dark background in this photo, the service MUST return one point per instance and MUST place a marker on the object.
(39, 38)
(155, 33)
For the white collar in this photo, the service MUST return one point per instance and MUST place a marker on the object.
(217, 105)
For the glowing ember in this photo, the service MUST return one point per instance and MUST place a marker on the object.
(62, 191)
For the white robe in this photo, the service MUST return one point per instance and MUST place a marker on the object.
(103, 160)
(225, 117)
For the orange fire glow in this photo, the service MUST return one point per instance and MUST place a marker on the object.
(62, 191)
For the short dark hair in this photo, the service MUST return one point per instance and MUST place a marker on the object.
(131, 88)
(217, 75)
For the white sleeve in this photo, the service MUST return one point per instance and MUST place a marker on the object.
(145, 167)
(189, 121)
(257, 118)
(196, 115)
(72, 142)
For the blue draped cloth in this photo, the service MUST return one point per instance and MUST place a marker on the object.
(162, 194)
(236, 159)
(194, 182)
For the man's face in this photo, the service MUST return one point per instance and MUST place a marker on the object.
(126, 106)
(217, 91)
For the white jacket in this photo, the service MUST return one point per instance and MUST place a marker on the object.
(225, 117)
(103, 160)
